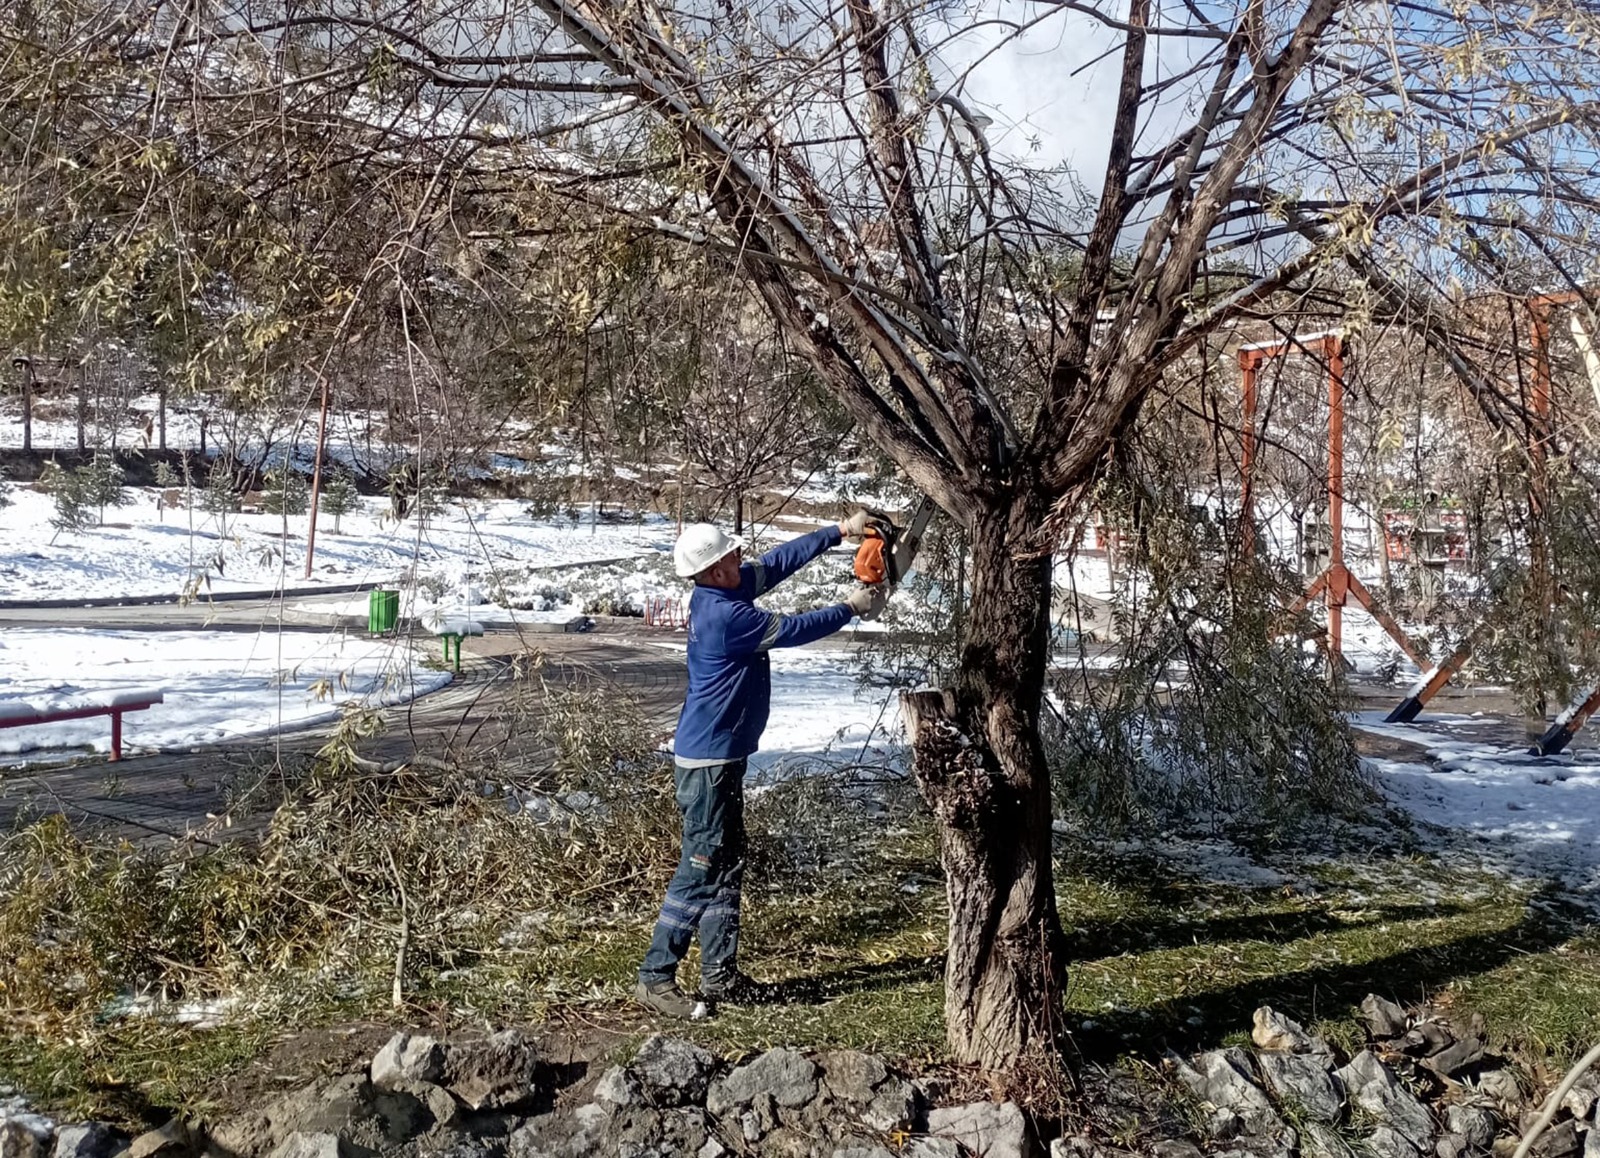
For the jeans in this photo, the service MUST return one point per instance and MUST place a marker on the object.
(703, 895)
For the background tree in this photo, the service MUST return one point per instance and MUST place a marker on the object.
(103, 484)
(339, 497)
(220, 496)
(287, 493)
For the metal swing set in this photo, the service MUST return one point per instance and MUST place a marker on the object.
(1336, 584)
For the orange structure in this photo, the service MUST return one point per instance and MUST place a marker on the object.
(1560, 733)
(1336, 584)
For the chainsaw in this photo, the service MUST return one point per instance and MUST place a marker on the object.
(888, 550)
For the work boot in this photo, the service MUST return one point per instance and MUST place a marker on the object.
(665, 997)
(735, 987)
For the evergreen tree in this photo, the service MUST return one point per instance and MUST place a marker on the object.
(102, 483)
(166, 480)
(219, 497)
(70, 491)
(5, 490)
(339, 496)
(287, 493)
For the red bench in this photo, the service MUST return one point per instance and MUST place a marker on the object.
(23, 714)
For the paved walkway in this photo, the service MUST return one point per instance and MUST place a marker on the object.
(490, 712)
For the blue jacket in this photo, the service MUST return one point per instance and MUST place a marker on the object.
(730, 679)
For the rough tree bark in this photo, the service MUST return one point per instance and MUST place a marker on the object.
(980, 765)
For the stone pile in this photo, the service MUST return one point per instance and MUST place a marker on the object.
(1423, 1087)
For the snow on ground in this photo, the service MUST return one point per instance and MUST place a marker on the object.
(146, 552)
(1528, 815)
(218, 685)
(822, 718)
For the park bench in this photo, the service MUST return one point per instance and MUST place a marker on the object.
(23, 713)
(453, 631)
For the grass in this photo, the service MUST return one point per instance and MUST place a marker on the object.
(847, 917)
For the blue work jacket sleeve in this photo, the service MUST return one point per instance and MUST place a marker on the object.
(751, 629)
(784, 560)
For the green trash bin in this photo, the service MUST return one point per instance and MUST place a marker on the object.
(383, 611)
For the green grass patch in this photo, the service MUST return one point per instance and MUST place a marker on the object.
(512, 920)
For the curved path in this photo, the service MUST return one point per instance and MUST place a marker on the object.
(208, 792)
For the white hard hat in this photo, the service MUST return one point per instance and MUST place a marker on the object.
(701, 545)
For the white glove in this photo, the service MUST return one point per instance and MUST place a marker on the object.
(855, 526)
(867, 602)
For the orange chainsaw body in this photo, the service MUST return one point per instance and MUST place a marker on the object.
(872, 557)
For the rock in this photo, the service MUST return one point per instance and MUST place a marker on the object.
(1223, 1123)
(1473, 1123)
(1384, 1018)
(1457, 1056)
(559, 1135)
(932, 1148)
(1221, 1078)
(1273, 1031)
(986, 1129)
(1560, 1140)
(89, 1140)
(1501, 1085)
(1175, 1148)
(348, 1106)
(172, 1139)
(1426, 1038)
(440, 1104)
(445, 1146)
(863, 1085)
(618, 1087)
(1591, 1144)
(712, 1149)
(751, 1126)
(1373, 1087)
(24, 1136)
(405, 1058)
(494, 1074)
(1385, 1142)
(862, 1152)
(299, 1145)
(673, 1072)
(851, 1075)
(1580, 1099)
(1302, 1081)
(1320, 1141)
(1261, 1147)
(649, 1133)
(789, 1076)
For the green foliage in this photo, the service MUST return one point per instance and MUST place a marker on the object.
(103, 480)
(69, 492)
(1210, 709)
(287, 493)
(339, 496)
(220, 495)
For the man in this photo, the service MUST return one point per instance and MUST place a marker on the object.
(724, 714)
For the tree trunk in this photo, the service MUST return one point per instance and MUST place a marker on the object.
(980, 766)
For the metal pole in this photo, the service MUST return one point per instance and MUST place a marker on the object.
(316, 476)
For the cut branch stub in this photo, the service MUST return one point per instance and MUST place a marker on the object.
(948, 766)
